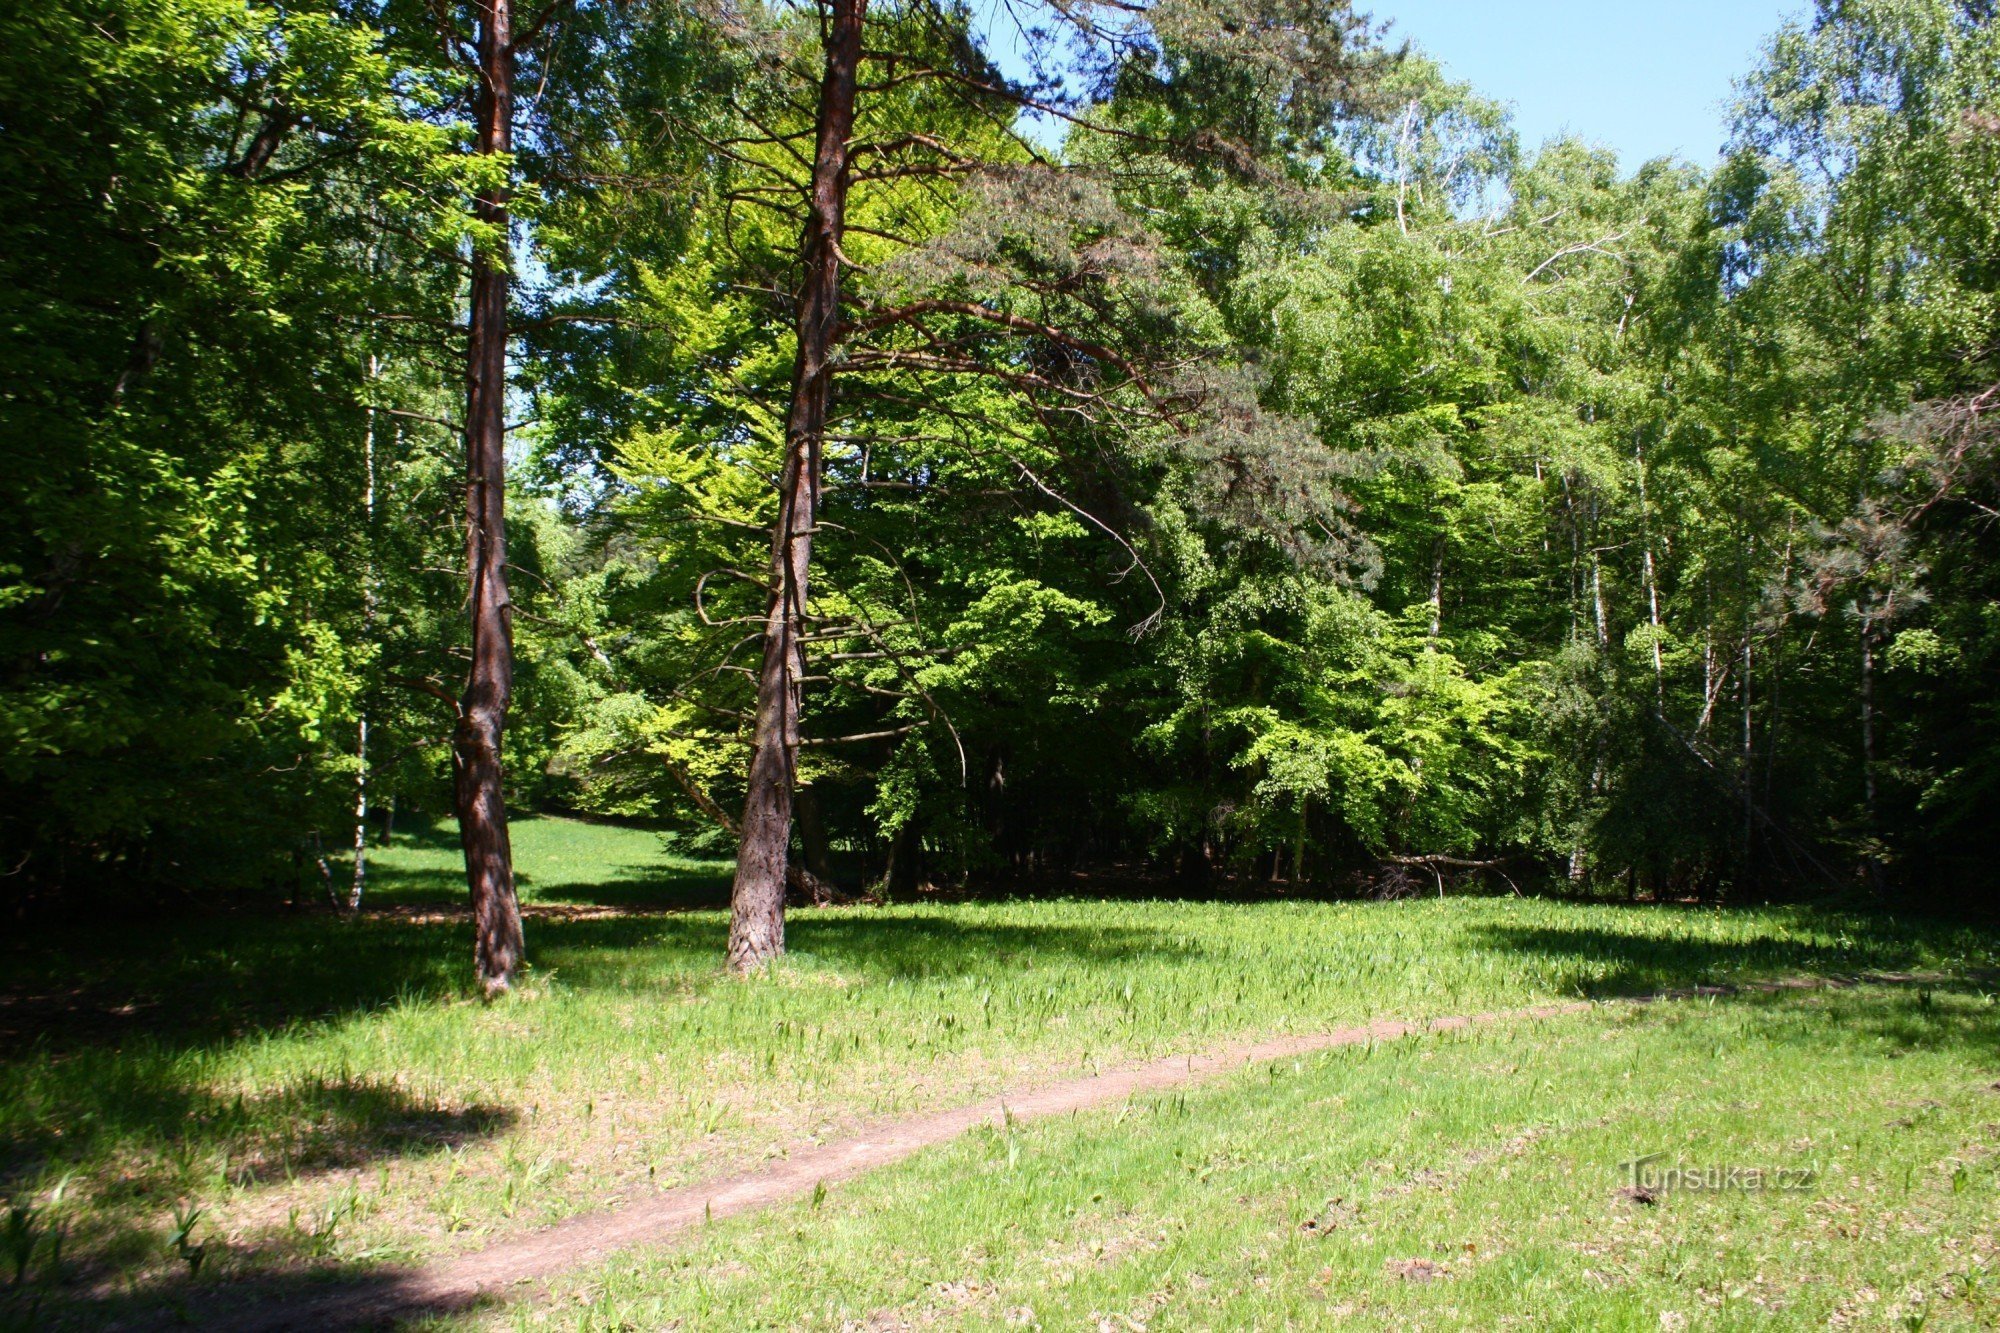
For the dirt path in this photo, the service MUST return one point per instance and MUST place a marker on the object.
(492, 1273)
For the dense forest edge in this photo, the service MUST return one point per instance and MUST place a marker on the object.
(1227, 455)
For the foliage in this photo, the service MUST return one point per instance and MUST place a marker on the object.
(1231, 473)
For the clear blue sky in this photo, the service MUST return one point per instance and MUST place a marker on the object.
(1645, 77)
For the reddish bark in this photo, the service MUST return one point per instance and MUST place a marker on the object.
(757, 900)
(482, 716)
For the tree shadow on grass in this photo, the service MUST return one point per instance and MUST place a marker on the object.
(941, 945)
(1869, 976)
(103, 1099)
(210, 980)
(137, 1086)
(618, 951)
(1956, 1015)
(632, 888)
(115, 1074)
(1878, 1019)
(302, 1131)
(266, 1292)
(120, 1064)
(1608, 963)
(640, 889)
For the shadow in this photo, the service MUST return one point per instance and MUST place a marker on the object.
(637, 889)
(859, 940)
(1956, 1015)
(132, 1082)
(311, 1126)
(209, 979)
(598, 951)
(1871, 1017)
(291, 1298)
(109, 1039)
(1859, 972)
(1606, 963)
(305, 1130)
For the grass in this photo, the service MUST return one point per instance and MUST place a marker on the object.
(557, 862)
(1470, 1181)
(330, 1096)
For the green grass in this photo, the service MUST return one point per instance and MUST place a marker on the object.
(1467, 1181)
(334, 1098)
(556, 862)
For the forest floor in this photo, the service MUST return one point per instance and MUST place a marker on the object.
(335, 1104)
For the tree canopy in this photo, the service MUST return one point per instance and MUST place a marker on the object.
(1190, 440)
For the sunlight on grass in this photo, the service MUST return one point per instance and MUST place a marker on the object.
(1472, 1180)
(331, 1094)
(555, 861)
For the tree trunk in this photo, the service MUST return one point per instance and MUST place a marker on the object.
(368, 607)
(360, 883)
(814, 852)
(903, 874)
(482, 719)
(1652, 578)
(1748, 686)
(1871, 861)
(757, 899)
(1437, 589)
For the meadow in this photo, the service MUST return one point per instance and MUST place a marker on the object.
(243, 1095)
(1466, 1181)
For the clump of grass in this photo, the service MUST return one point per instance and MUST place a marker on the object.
(180, 1240)
(317, 1231)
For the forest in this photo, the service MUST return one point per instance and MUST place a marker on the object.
(870, 553)
(924, 447)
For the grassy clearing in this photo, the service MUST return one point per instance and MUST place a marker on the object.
(1462, 1181)
(557, 863)
(330, 1095)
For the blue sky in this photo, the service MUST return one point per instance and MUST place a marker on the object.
(1645, 77)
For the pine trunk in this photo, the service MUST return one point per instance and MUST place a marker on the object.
(482, 809)
(757, 899)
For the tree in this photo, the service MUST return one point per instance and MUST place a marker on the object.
(757, 900)
(212, 211)
(1194, 74)
(482, 712)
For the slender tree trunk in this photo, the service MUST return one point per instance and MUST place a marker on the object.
(368, 604)
(1774, 713)
(1603, 619)
(360, 883)
(1575, 555)
(1868, 796)
(482, 719)
(1749, 688)
(1437, 589)
(757, 899)
(1652, 579)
